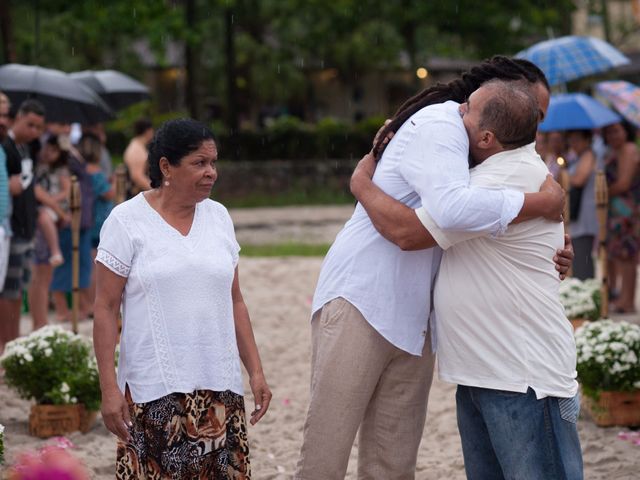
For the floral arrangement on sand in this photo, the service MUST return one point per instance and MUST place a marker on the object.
(608, 357)
(53, 366)
(581, 298)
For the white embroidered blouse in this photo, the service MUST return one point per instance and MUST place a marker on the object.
(178, 332)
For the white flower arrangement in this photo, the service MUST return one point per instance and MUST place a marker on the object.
(580, 298)
(53, 366)
(608, 356)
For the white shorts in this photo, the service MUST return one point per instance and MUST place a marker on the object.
(5, 241)
(52, 214)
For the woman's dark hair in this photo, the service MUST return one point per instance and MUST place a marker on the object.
(141, 125)
(628, 128)
(586, 134)
(174, 140)
(90, 148)
(498, 67)
(63, 159)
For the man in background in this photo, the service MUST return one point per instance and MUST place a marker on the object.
(21, 160)
(135, 156)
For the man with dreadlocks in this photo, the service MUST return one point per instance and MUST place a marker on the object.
(372, 361)
(505, 342)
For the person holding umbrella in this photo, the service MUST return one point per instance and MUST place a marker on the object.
(622, 168)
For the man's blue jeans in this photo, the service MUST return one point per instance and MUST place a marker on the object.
(510, 435)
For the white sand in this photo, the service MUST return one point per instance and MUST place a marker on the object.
(278, 293)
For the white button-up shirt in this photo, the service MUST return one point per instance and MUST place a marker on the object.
(499, 321)
(426, 163)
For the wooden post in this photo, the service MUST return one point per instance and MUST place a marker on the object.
(602, 207)
(76, 209)
(121, 183)
(563, 179)
(121, 196)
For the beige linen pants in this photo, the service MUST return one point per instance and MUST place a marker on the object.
(359, 379)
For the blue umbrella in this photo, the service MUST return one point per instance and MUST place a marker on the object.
(576, 111)
(567, 58)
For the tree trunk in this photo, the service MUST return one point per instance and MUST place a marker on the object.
(604, 11)
(8, 48)
(230, 55)
(191, 63)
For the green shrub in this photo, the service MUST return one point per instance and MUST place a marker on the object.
(285, 138)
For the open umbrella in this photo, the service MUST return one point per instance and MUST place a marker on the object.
(624, 97)
(576, 111)
(115, 88)
(66, 100)
(567, 58)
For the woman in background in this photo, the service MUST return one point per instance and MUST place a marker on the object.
(104, 192)
(623, 229)
(581, 164)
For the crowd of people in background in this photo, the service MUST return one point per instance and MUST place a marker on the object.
(584, 152)
(38, 161)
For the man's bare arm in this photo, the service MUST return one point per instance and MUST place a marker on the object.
(394, 220)
(547, 203)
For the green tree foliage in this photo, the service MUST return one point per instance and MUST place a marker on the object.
(276, 42)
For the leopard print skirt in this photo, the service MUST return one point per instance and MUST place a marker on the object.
(199, 435)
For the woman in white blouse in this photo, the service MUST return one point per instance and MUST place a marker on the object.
(169, 257)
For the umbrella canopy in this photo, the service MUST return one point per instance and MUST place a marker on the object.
(115, 88)
(66, 100)
(567, 58)
(576, 111)
(624, 97)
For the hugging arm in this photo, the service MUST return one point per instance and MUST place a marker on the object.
(392, 219)
(434, 163)
(401, 225)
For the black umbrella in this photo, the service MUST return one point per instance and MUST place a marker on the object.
(115, 88)
(66, 100)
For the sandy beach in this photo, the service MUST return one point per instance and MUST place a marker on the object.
(278, 293)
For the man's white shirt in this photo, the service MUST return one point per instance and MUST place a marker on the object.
(499, 322)
(426, 163)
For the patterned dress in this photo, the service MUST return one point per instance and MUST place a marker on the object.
(199, 435)
(623, 224)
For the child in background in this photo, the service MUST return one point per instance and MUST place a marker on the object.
(53, 176)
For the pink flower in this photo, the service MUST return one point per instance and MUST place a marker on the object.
(50, 463)
(62, 442)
